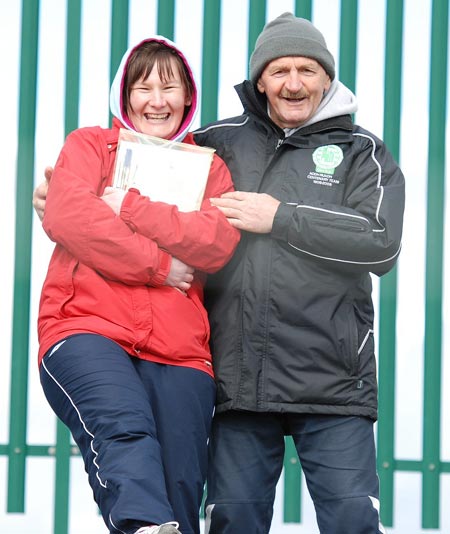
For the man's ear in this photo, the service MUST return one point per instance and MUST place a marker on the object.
(260, 86)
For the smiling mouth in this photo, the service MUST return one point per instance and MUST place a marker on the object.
(156, 116)
(294, 99)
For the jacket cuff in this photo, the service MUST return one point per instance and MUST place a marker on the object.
(159, 277)
(128, 206)
(281, 221)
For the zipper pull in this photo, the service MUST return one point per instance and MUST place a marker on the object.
(280, 142)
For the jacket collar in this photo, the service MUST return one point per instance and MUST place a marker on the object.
(255, 104)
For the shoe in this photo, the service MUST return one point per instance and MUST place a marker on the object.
(166, 528)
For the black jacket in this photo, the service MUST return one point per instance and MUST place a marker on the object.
(291, 314)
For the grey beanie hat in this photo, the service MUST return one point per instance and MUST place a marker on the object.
(288, 35)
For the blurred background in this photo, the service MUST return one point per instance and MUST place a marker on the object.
(58, 57)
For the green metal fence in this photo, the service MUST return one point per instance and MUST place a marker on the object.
(431, 467)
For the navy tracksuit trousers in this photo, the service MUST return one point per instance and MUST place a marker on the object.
(142, 429)
(337, 454)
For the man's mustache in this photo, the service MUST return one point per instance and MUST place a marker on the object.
(297, 95)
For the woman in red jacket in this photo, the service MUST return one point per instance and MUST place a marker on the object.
(124, 354)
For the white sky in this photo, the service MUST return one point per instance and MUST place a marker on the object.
(233, 69)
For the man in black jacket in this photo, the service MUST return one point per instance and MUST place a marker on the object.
(320, 205)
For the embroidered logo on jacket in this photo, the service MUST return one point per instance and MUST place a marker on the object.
(327, 158)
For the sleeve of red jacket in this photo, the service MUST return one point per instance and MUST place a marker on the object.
(203, 239)
(76, 218)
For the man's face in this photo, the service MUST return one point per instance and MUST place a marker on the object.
(294, 87)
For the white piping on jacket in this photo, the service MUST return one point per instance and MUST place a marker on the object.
(103, 484)
(227, 124)
(379, 186)
(377, 213)
(364, 341)
(376, 505)
(348, 261)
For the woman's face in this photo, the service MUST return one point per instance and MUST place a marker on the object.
(156, 106)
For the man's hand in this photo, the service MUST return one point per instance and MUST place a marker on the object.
(40, 193)
(253, 212)
(180, 275)
(114, 198)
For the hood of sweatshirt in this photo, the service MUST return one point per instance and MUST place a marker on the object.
(115, 97)
(337, 101)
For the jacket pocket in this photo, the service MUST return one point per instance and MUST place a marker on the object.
(67, 285)
(347, 332)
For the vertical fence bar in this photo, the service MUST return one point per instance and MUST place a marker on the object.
(348, 43)
(62, 479)
(73, 47)
(256, 21)
(210, 62)
(292, 510)
(388, 284)
(72, 97)
(119, 35)
(434, 265)
(303, 8)
(22, 264)
(166, 18)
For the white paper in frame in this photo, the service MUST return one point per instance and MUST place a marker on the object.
(165, 171)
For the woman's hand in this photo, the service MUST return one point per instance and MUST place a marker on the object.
(114, 198)
(40, 193)
(180, 275)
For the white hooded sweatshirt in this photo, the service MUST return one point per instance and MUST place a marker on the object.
(115, 98)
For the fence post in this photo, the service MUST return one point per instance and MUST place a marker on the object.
(72, 97)
(292, 510)
(22, 264)
(256, 21)
(119, 36)
(210, 61)
(348, 43)
(434, 265)
(388, 283)
(303, 8)
(166, 18)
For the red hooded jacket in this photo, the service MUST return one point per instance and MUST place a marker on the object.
(107, 272)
